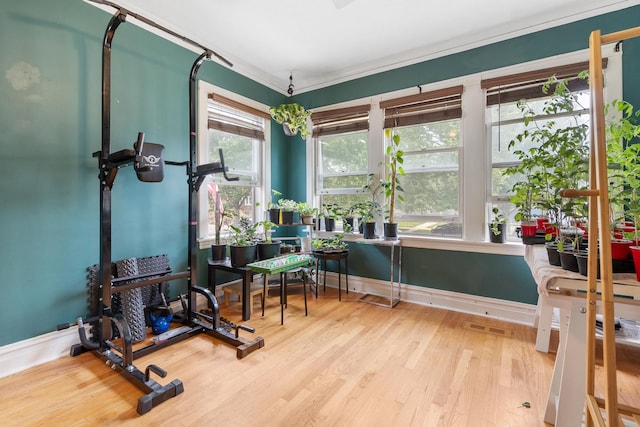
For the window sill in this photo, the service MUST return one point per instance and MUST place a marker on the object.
(509, 248)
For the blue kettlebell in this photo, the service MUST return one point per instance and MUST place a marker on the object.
(160, 324)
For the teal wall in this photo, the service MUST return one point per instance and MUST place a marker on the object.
(51, 125)
(496, 276)
(50, 117)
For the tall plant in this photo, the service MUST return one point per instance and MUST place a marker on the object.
(558, 156)
(391, 183)
(624, 160)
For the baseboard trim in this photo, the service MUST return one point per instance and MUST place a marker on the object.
(510, 311)
(35, 351)
(32, 352)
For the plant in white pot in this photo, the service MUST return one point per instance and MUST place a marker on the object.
(293, 118)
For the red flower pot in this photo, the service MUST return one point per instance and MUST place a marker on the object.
(635, 253)
(620, 248)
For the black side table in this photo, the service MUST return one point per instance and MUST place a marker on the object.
(245, 272)
(323, 257)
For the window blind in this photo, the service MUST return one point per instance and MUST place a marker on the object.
(341, 120)
(427, 107)
(236, 118)
(528, 85)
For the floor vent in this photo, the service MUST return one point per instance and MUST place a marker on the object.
(490, 329)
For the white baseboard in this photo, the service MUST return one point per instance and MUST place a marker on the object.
(510, 311)
(26, 354)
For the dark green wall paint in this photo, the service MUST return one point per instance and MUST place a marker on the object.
(51, 125)
(50, 128)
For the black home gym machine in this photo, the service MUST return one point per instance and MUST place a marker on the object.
(110, 336)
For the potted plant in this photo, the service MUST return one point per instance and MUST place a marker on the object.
(331, 212)
(367, 213)
(274, 209)
(287, 208)
(293, 118)
(557, 159)
(391, 183)
(243, 243)
(267, 247)
(624, 173)
(307, 212)
(219, 249)
(336, 244)
(497, 225)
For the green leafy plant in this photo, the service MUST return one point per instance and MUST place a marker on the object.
(266, 227)
(306, 209)
(333, 211)
(624, 161)
(243, 234)
(294, 116)
(557, 157)
(391, 183)
(497, 219)
(288, 205)
(274, 203)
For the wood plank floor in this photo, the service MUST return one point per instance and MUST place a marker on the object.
(346, 364)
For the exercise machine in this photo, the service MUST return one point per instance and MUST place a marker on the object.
(110, 335)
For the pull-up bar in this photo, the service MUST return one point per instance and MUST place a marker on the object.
(148, 21)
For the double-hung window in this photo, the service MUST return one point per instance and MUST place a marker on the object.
(240, 131)
(429, 125)
(505, 121)
(341, 139)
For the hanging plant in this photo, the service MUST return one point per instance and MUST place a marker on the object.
(293, 117)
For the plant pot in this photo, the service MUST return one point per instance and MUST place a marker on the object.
(620, 248)
(583, 263)
(369, 230)
(529, 233)
(268, 250)
(287, 130)
(329, 224)
(287, 217)
(307, 219)
(218, 252)
(501, 237)
(390, 231)
(552, 254)
(242, 255)
(542, 223)
(635, 253)
(274, 215)
(568, 261)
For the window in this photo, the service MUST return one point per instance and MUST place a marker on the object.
(429, 126)
(341, 140)
(240, 131)
(505, 121)
(455, 148)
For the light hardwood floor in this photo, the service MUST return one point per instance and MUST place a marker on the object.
(347, 364)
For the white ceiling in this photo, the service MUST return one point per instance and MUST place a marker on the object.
(323, 42)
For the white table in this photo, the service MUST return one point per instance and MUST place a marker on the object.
(394, 287)
(565, 290)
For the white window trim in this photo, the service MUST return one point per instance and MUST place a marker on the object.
(204, 89)
(475, 175)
